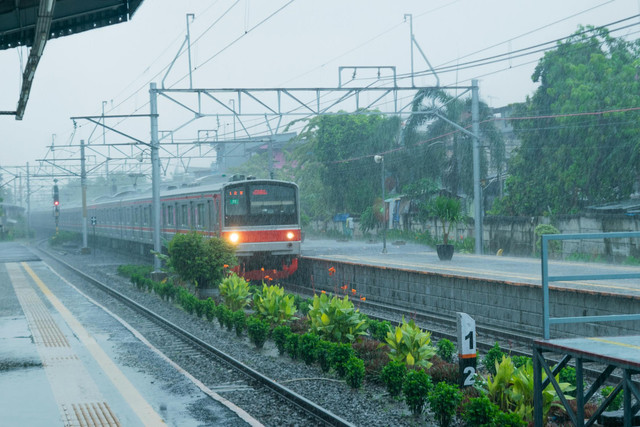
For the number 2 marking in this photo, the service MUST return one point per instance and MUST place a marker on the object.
(469, 372)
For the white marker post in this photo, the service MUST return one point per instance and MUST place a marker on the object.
(467, 353)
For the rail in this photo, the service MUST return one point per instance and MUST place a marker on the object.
(547, 321)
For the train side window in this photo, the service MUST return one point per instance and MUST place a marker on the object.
(147, 215)
(200, 215)
(184, 215)
(170, 215)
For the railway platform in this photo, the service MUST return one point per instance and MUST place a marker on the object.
(66, 361)
(612, 353)
(421, 258)
(497, 291)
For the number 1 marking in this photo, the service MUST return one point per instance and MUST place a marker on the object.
(469, 337)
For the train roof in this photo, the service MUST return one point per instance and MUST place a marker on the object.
(174, 191)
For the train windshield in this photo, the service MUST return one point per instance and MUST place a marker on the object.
(260, 204)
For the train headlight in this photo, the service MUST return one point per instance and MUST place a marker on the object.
(290, 235)
(234, 237)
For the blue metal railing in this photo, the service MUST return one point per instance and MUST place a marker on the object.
(548, 321)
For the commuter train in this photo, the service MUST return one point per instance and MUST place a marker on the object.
(259, 217)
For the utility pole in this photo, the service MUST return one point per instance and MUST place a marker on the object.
(28, 202)
(155, 175)
(477, 191)
(104, 142)
(83, 183)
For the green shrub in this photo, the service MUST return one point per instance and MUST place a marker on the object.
(198, 260)
(220, 257)
(308, 347)
(520, 360)
(200, 307)
(554, 245)
(272, 305)
(258, 331)
(616, 403)
(493, 355)
(210, 311)
(446, 349)
(378, 329)
(188, 301)
(410, 345)
(150, 285)
(324, 350)
(136, 279)
(509, 419)
(239, 322)
(568, 375)
(480, 412)
(354, 372)
(165, 290)
(304, 305)
(221, 314)
(279, 336)
(187, 257)
(393, 376)
(336, 319)
(234, 290)
(292, 345)
(340, 356)
(127, 270)
(415, 390)
(228, 319)
(443, 400)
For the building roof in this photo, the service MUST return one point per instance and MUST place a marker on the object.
(629, 206)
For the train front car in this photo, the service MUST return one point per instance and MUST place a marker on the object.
(261, 219)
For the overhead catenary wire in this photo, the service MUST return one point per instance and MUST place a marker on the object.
(200, 65)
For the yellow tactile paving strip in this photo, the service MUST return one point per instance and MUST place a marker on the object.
(79, 399)
(46, 332)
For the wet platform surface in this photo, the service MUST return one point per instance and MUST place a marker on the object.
(623, 351)
(65, 361)
(415, 257)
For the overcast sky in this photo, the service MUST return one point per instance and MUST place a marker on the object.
(279, 43)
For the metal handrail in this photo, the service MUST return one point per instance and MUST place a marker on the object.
(547, 321)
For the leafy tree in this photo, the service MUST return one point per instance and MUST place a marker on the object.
(443, 154)
(335, 164)
(573, 152)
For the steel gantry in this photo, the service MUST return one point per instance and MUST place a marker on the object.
(258, 114)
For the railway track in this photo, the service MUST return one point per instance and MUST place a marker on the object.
(271, 403)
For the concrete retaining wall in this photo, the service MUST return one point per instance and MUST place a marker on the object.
(493, 303)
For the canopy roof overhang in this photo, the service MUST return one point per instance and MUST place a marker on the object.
(33, 22)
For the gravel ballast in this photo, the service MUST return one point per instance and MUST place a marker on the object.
(369, 406)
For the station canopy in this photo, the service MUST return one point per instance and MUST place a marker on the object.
(32, 22)
(19, 18)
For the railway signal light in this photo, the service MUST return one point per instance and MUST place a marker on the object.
(56, 196)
